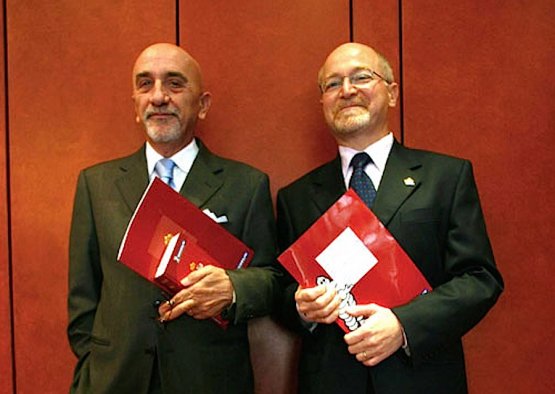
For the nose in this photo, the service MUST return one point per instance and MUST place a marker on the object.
(347, 88)
(159, 95)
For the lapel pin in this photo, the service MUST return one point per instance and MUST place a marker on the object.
(408, 181)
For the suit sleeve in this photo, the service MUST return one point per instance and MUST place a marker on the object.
(435, 320)
(84, 272)
(257, 286)
(287, 234)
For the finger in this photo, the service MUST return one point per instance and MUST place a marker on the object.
(309, 294)
(331, 318)
(369, 359)
(327, 313)
(372, 361)
(361, 335)
(178, 310)
(362, 356)
(361, 346)
(362, 310)
(199, 315)
(314, 308)
(163, 309)
(207, 310)
(324, 298)
(331, 305)
(196, 275)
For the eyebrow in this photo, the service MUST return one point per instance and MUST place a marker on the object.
(145, 74)
(355, 70)
(176, 74)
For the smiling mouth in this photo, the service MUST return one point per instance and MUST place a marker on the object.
(348, 107)
(161, 115)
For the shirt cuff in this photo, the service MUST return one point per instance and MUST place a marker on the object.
(405, 346)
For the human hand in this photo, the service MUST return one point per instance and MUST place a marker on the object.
(318, 304)
(378, 338)
(208, 290)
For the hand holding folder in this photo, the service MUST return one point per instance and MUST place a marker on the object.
(168, 237)
(349, 249)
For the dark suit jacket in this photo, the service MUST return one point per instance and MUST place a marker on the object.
(439, 223)
(112, 321)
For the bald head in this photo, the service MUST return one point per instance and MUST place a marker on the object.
(352, 53)
(166, 52)
(357, 91)
(169, 96)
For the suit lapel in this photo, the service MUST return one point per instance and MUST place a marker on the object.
(204, 178)
(328, 185)
(399, 181)
(133, 178)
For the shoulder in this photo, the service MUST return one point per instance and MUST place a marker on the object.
(327, 171)
(238, 167)
(430, 160)
(229, 168)
(429, 155)
(116, 164)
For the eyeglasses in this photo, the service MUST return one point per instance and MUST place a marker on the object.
(358, 79)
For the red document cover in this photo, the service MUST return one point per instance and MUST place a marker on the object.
(350, 249)
(168, 237)
(181, 256)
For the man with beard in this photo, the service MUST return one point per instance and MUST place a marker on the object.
(430, 204)
(127, 338)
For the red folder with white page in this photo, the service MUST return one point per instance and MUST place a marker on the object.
(168, 237)
(350, 249)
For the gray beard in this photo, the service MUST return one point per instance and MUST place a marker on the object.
(165, 132)
(352, 123)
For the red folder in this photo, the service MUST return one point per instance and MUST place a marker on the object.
(350, 249)
(167, 228)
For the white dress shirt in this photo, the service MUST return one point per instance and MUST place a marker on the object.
(378, 152)
(183, 159)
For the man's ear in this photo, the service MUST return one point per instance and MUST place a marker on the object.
(393, 93)
(205, 102)
(137, 117)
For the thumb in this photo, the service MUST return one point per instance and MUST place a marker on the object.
(362, 310)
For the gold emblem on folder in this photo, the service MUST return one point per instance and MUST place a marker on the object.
(167, 238)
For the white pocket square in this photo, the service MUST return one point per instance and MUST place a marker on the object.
(212, 215)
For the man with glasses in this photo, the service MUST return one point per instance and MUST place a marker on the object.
(430, 204)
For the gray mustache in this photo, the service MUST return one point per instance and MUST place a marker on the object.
(149, 113)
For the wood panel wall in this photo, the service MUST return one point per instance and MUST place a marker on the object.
(5, 279)
(69, 66)
(479, 85)
(476, 82)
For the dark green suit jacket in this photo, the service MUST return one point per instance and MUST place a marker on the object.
(439, 223)
(112, 318)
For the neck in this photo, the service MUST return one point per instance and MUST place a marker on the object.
(168, 149)
(360, 141)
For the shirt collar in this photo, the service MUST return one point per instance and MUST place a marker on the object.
(183, 159)
(378, 151)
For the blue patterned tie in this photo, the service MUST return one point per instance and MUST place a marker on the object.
(164, 169)
(360, 182)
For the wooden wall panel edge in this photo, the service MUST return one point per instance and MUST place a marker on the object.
(6, 328)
